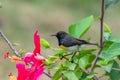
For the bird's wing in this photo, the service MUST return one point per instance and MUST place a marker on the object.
(82, 41)
(71, 42)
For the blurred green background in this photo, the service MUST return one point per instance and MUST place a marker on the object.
(21, 18)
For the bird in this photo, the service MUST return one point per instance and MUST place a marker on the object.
(70, 43)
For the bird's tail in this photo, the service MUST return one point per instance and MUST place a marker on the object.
(88, 43)
(92, 43)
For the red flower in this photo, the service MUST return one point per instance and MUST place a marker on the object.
(32, 67)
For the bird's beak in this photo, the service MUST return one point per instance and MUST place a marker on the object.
(53, 35)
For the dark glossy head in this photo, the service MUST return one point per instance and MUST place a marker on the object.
(60, 34)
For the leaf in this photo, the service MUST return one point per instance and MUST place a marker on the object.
(61, 65)
(22, 52)
(53, 67)
(60, 52)
(110, 51)
(107, 28)
(106, 66)
(106, 36)
(114, 39)
(57, 75)
(107, 32)
(70, 75)
(83, 62)
(47, 62)
(85, 52)
(52, 58)
(70, 65)
(110, 2)
(83, 77)
(78, 72)
(91, 75)
(79, 28)
(89, 52)
(44, 43)
(114, 74)
(15, 44)
(103, 63)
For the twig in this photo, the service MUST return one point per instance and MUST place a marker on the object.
(95, 61)
(47, 75)
(101, 40)
(9, 43)
(73, 57)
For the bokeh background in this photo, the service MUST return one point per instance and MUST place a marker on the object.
(20, 18)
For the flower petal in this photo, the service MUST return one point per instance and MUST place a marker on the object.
(28, 57)
(21, 71)
(38, 73)
(36, 42)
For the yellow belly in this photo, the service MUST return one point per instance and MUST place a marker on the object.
(72, 48)
(63, 47)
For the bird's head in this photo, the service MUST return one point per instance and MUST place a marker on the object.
(60, 35)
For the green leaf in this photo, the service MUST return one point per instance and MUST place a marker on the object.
(22, 52)
(107, 28)
(15, 44)
(110, 2)
(60, 52)
(88, 79)
(105, 65)
(52, 58)
(44, 43)
(70, 65)
(107, 32)
(114, 39)
(47, 62)
(85, 52)
(83, 77)
(98, 18)
(57, 75)
(91, 75)
(53, 67)
(110, 51)
(79, 28)
(114, 74)
(107, 36)
(61, 65)
(83, 62)
(70, 75)
(78, 72)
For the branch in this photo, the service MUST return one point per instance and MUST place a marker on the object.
(9, 43)
(101, 37)
(47, 74)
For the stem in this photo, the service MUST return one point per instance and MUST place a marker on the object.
(47, 74)
(10, 44)
(102, 20)
(101, 37)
